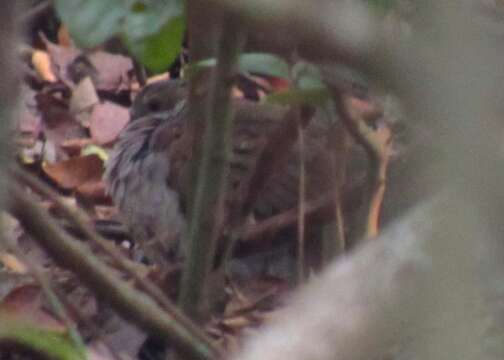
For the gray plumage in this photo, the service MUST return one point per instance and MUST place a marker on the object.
(136, 176)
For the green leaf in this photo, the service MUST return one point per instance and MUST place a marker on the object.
(149, 17)
(265, 64)
(53, 344)
(307, 76)
(152, 29)
(95, 150)
(313, 96)
(157, 52)
(91, 22)
(193, 68)
(258, 63)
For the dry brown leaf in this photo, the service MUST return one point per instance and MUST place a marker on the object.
(61, 58)
(25, 302)
(84, 97)
(113, 71)
(72, 173)
(93, 189)
(42, 64)
(12, 263)
(106, 122)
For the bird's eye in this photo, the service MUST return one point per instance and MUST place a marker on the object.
(154, 105)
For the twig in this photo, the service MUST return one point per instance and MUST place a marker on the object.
(81, 222)
(53, 299)
(140, 73)
(334, 239)
(302, 206)
(321, 207)
(323, 204)
(377, 146)
(129, 303)
(207, 208)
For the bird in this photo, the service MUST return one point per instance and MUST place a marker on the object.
(148, 183)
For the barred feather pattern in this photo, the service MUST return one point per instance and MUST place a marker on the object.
(136, 175)
(148, 180)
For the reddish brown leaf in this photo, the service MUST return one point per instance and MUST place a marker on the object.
(72, 173)
(26, 302)
(106, 122)
(74, 146)
(93, 189)
(23, 298)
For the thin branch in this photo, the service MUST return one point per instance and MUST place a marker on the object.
(80, 221)
(73, 255)
(335, 242)
(207, 209)
(377, 146)
(52, 297)
(301, 261)
(140, 72)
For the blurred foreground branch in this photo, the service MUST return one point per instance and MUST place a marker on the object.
(418, 289)
(129, 303)
(207, 211)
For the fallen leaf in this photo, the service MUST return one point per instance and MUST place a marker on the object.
(12, 263)
(84, 97)
(72, 173)
(93, 189)
(106, 122)
(109, 72)
(74, 147)
(97, 150)
(26, 302)
(42, 64)
(61, 57)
